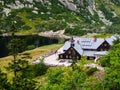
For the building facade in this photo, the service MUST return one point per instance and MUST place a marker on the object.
(90, 47)
(71, 53)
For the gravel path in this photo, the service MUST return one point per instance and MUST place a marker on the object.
(52, 60)
(92, 65)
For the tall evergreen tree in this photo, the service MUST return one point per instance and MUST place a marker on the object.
(19, 65)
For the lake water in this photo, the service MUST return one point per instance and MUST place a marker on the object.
(29, 39)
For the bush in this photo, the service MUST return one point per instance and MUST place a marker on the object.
(30, 47)
(61, 41)
(40, 69)
(105, 61)
(4, 84)
(56, 76)
(75, 31)
(35, 70)
(26, 28)
(90, 71)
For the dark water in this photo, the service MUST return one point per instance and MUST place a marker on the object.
(30, 40)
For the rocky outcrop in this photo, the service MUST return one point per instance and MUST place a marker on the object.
(69, 4)
(57, 34)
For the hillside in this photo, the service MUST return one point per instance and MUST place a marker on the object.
(100, 18)
(77, 17)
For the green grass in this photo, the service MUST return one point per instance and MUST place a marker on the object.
(27, 21)
(103, 35)
(35, 53)
(117, 9)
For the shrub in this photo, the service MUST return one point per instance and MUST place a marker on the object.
(61, 41)
(4, 84)
(26, 27)
(30, 47)
(55, 77)
(75, 31)
(90, 71)
(105, 61)
(40, 69)
(35, 70)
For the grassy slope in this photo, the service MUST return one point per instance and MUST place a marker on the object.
(35, 53)
(117, 9)
(23, 15)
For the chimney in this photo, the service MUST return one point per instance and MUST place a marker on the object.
(72, 42)
(95, 39)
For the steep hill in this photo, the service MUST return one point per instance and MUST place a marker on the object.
(77, 17)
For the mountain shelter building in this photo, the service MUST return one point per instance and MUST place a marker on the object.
(93, 48)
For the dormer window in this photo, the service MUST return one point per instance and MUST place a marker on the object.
(72, 45)
(61, 56)
(64, 50)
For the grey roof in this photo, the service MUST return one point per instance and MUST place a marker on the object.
(101, 53)
(77, 47)
(66, 45)
(114, 37)
(89, 53)
(94, 53)
(111, 39)
(89, 43)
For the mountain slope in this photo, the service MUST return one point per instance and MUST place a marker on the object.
(77, 17)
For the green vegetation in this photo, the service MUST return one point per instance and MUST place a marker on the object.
(17, 67)
(65, 78)
(30, 47)
(54, 16)
(103, 35)
(109, 15)
(117, 2)
(40, 69)
(4, 84)
(91, 71)
(18, 73)
(75, 31)
(35, 53)
(111, 62)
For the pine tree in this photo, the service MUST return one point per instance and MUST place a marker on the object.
(19, 65)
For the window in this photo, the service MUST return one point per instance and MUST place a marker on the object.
(69, 52)
(106, 49)
(71, 48)
(101, 49)
(61, 56)
(77, 57)
(105, 44)
(66, 56)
